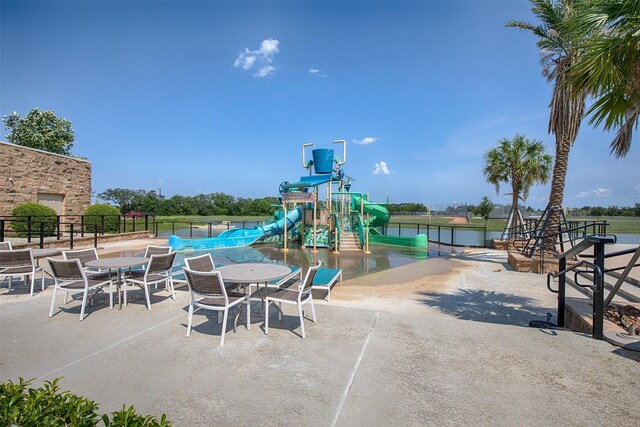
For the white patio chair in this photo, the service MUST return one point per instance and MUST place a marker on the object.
(84, 256)
(5, 246)
(297, 297)
(207, 290)
(19, 262)
(70, 277)
(158, 271)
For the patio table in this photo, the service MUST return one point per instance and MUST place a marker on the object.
(119, 263)
(253, 272)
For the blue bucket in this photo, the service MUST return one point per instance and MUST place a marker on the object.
(322, 160)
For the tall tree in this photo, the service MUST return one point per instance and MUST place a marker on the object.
(609, 66)
(559, 41)
(520, 162)
(40, 129)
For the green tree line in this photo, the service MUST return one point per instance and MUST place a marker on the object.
(201, 204)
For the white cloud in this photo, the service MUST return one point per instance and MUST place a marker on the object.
(381, 169)
(262, 58)
(313, 71)
(160, 181)
(598, 192)
(365, 141)
(636, 190)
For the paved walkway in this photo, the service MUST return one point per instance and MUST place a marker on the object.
(439, 342)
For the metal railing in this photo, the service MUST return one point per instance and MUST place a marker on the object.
(451, 235)
(68, 227)
(598, 243)
(193, 229)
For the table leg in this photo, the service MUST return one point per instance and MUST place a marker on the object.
(119, 288)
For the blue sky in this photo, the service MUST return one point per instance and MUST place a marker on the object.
(201, 97)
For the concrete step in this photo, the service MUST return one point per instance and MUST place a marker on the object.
(628, 293)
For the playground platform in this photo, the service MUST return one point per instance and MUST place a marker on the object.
(442, 341)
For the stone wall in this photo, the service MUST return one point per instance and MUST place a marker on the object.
(25, 173)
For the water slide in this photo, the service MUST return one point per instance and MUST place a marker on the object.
(380, 217)
(239, 236)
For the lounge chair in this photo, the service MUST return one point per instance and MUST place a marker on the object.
(326, 278)
(207, 290)
(69, 276)
(297, 297)
(19, 262)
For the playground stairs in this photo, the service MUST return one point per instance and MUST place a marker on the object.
(349, 242)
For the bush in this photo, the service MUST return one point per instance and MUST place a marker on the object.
(22, 406)
(93, 216)
(39, 214)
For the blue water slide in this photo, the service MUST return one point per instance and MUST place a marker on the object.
(238, 236)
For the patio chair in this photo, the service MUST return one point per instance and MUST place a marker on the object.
(5, 246)
(207, 290)
(84, 256)
(19, 262)
(156, 250)
(70, 277)
(205, 263)
(297, 297)
(158, 271)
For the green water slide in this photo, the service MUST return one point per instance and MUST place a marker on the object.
(379, 218)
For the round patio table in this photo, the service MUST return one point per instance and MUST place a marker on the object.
(119, 263)
(253, 272)
(47, 252)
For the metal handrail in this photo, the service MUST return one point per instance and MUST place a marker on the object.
(595, 268)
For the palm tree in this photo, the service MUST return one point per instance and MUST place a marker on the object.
(558, 40)
(609, 66)
(522, 163)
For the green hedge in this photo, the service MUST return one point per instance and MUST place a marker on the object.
(21, 405)
(39, 214)
(93, 216)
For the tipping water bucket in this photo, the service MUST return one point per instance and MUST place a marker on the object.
(322, 160)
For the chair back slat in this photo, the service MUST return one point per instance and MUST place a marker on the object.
(311, 274)
(161, 263)
(200, 263)
(205, 283)
(157, 250)
(84, 255)
(16, 258)
(66, 270)
(5, 246)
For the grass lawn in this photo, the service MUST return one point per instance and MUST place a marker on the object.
(616, 224)
(619, 224)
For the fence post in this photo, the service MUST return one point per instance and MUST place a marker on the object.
(209, 232)
(71, 236)
(439, 234)
(1, 230)
(418, 232)
(59, 234)
(399, 225)
(484, 244)
(102, 223)
(451, 236)
(146, 222)
(95, 235)
(562, 265)
(29, 229)
(173, 228)
(190, 229)
(82, 225)
(41, 235)
(134, 224)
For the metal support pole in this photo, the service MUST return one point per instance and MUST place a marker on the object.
(41, 235)
(562, 283)
(81, 225)
(71, 236)
(598, 292)
(284, 236)
(95, 236)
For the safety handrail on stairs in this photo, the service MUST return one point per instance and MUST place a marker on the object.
(598, 243)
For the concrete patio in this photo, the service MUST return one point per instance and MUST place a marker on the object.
(442, 341)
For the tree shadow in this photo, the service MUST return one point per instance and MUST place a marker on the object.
(487, 306)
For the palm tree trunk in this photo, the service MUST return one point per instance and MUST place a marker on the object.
(557, 192)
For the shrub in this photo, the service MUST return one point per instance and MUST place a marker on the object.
(39, 214)
(93, 216)
(22, 406)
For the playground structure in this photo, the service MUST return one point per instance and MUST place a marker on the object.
(319, 210)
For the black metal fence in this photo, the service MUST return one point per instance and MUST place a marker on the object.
(199, 229)
(451, 235)
(70, 227)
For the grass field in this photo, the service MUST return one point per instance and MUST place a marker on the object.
(616, 224)
(619, 224)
